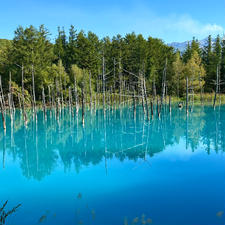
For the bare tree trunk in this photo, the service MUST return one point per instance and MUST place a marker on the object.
(53, 96)
(61, 89)
(23, 99)
(108, 98)
(49, 97)
(10, 95)
(98, 92)
(146, 98)
(217, 86)
(158, 109)
(83, 103)
(19, 100)
(120, 85)
(1, 94)
(103, 82)
(33, 86)
(111, 96)
(90, 91)
(95, 102)
(57, 100)
(76, 95)
(114, 81)
(200, 88)
(2, 111)
(152, 112)
(64, 89)
(43, 102)
(134, 102)
(70, 100)
(178, 86)
(142, 91)
(186, 94)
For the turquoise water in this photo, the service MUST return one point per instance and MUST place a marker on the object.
(117, 169)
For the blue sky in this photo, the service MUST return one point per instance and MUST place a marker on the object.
(174, 20)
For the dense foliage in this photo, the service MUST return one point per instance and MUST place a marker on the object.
(80, 53)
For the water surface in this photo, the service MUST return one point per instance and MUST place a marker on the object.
(117, 169)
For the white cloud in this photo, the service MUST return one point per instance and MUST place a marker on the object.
(137, 17)
(171, 27)
(187, 25)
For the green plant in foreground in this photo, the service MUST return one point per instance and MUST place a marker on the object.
(4, 214)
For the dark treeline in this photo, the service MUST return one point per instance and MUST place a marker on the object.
(109, 64)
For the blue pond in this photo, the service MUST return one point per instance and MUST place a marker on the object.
(116, 170)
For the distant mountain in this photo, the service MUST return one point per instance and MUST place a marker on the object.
(181, 46)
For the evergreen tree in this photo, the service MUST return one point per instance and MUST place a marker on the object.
(187, 53)
(195, 72)
(217, 51)
(127, 56)
(5, 49)
(195, 46)
(223, 60)
(71, 53)
(208, 62)
(178, 78)
(31, 48)
(60, 46)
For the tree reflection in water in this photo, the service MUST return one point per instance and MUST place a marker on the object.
(47, 141)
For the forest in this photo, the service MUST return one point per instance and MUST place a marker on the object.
(80, 102)
(32, 65)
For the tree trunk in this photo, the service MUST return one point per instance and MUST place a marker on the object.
(186, 94)
(33, 88)
(23, 98)
(90, 91)
(217, 86)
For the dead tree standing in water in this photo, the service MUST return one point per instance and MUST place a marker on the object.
(146, 98)
(142, 91)
(152, 112)
(114, 80)
(57, 100)
(43, 101)
(2, 105)
(75, 94)
(23, 98)
(134, 102)
(90, 91)
(10, 95)
(217, 86)
(103, 82)
(158, 107)
(187, 95)
(49, 97)
(1, 92)
(120, 84)
(33, 89)
(82, 102)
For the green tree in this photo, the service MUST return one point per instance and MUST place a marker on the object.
(31, 47)
(71, 53)
(223, 60)
(195, 72)
(60, 46)
(178, 78)
(207, 58)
